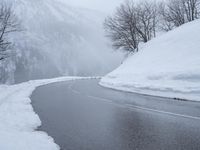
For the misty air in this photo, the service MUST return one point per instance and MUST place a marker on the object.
(99, 75)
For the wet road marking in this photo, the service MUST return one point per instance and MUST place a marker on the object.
(163, 112)
(129, 106)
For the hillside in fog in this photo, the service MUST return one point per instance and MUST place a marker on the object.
(57, 39)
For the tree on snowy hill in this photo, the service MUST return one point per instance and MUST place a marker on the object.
(192, 9)
(175, 13)
(138, 22)
(131, 24)
(8, 24)
(147, 20)
(121, 28)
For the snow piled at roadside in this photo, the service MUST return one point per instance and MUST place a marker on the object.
(167, 66)
(18, 121)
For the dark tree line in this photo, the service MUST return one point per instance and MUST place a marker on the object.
(8, 24)
(134, 23)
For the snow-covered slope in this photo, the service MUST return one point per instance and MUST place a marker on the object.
(58, 39)
(18, 121)
(167, 66)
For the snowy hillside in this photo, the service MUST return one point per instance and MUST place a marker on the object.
(167, 66)
(58, 39)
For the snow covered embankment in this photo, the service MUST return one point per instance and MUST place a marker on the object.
(18, 121)
(167, 66)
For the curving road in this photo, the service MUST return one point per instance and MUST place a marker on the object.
(81, 115)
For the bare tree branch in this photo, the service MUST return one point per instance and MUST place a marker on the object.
(8, 24)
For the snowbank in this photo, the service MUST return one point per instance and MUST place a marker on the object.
(18, 121)
(167, 66)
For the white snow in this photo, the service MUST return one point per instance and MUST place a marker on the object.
(18, 121)
(167, 66)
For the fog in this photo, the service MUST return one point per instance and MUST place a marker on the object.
(60, 37)
(106, 6)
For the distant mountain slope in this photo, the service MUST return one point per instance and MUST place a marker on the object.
(167, 66)
(58, 40)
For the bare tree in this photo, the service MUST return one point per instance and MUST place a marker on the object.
(121, 28)
(165, 20)
(8, 24)
(146, 20)
(132, 23)
(191, 8)
(175, 13)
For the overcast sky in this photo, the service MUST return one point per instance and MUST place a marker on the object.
(101, 5)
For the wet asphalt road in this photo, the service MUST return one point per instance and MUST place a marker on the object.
(81, 115)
